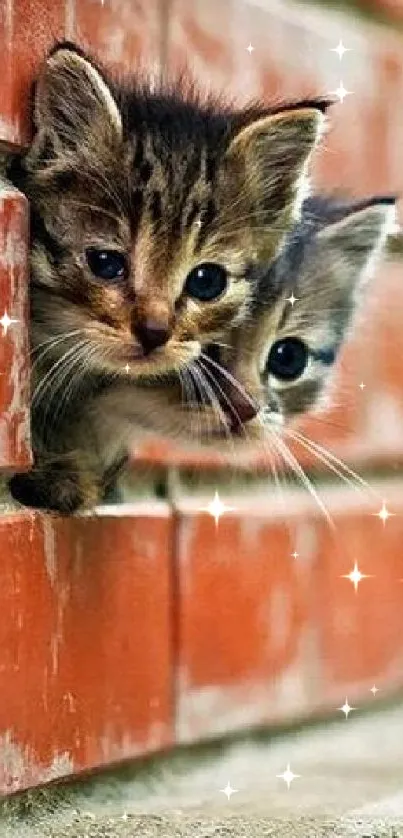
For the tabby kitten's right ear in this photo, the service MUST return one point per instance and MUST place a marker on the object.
(270, 158)
(74, 108)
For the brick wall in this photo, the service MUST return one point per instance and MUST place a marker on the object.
(120, 632)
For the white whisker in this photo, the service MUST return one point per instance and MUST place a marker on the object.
(334, 463)
(296, 467)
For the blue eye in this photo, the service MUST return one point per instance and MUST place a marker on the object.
(287, 359)
(206, 282)
(106, 264)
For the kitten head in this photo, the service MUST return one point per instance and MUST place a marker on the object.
(305, 304)
(151, 212)
(277, 364)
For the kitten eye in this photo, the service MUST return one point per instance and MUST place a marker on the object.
(106, 264)
(287, 359)
(206, 282)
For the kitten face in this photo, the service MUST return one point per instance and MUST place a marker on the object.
(322, 275)
(151, 215)
(278, 364)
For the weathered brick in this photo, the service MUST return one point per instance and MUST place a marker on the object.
(265, 636)
(86, 666)
(14, 349)
(126, 34)
(27, 30)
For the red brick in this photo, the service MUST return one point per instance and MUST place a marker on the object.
(241, 614)
(359, 633)
(85, 663)
(14, 349)
(27, 30)
(267, 637)
(125, 34)
(384, 420)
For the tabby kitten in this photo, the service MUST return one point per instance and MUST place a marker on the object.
(152, 213)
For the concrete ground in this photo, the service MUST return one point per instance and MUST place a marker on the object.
(350, 784)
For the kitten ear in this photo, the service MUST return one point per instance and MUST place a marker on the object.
(270, 157)
(358, 239)
(73, 105)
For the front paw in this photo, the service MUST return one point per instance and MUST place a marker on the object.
(54, 489)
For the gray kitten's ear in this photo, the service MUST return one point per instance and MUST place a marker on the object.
(73, 104)
(269, 158)
(359, 239)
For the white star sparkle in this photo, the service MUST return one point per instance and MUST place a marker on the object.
(217, 508)
(346, 709)
(295, 555)
(127, 368)
(374, 690)
(291, 299)
(384, 513)
(288, 776)
(6, 322)
(340, 49)
(250, 49)
(229, 791)
(341, 92)
(362, 386)
(355, 576)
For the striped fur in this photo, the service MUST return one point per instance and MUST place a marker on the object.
(169, 179)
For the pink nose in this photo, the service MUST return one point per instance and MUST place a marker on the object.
(152, 334)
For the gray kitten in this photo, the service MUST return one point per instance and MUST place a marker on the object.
(305, 304)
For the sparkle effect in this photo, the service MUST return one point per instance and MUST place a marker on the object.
(292, 299)
(228, 791)
(384, 513)
(374, 690)
(362, 386)
(127, 368)
(295, 555)
(341, 92)
(288, 776)
(355, 576)
(217, 508)
(346, 709)
(250, 49)
(340, 49)
(6, 322)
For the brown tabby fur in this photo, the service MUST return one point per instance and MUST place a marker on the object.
(172, 182)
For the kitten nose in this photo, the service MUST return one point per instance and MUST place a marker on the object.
(152, 334)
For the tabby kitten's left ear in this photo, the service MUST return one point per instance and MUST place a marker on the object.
(74, 107)
(267, 163)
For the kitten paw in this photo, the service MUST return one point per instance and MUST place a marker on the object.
(50, 490)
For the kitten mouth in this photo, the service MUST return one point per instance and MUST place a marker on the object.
(238, 407)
